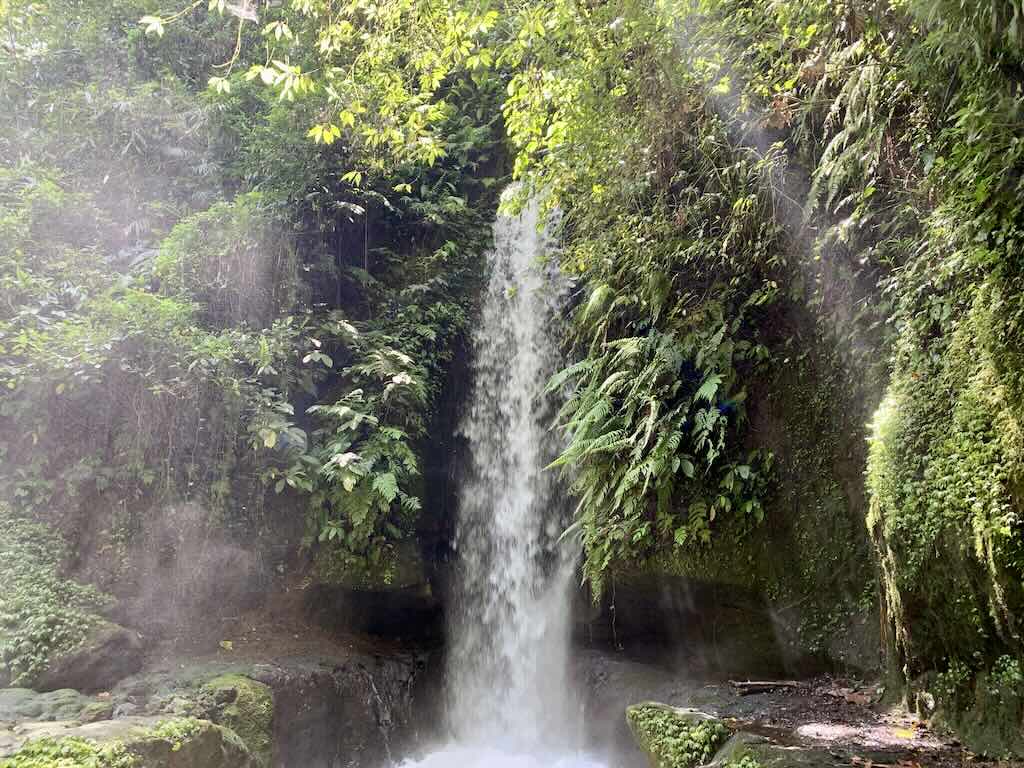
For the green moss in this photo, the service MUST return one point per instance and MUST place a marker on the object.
(743, 762)
(984, 708)
(177, 730)
(674, 738)
(945, 474)
(188, 743)
(246, 707)
(812, 553)
(397, 566)
(97, 710)
(747, 750)
(69, 753)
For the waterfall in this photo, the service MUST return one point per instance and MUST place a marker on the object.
(511, 700)
(509, 637)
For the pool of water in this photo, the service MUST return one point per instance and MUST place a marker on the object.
(457, 756)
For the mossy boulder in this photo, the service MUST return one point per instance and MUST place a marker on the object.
(189, 743)
(745, 750)
(130, 743)
(96, 711)
(107, 654)
(246, 707)
(672, 737)
(18, 704)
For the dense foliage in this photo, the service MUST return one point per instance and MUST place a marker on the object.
(41, 613)
(196, 298)
(256, 261)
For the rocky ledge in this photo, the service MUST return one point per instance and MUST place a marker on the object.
(354, 709)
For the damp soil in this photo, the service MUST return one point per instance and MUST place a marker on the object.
(279, 629)
(848, 720)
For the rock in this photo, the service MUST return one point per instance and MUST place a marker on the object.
(413, 614)
(109, 653)
(247, 707)
(378, 700)
(190, 743)
(96, 711)
(180, 706)
(344, 709)
(610, 682)
(673, 737)
(155, 743)
(126, 709)
(20, 704)
(716, 628)
(401, 568)
(392, 599)
(768, 754)
(225, 695)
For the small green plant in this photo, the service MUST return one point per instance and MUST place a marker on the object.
(744, 762)
(177, 731)
(1006, 679)
(41, 613)
(675, 740)
(69, 753)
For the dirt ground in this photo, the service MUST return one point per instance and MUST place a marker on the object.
(847, 719)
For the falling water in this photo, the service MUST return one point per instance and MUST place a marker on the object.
(511, 700)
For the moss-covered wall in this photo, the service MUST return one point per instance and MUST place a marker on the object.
(811, 559)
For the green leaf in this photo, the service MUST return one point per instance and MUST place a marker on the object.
(708, 388)
(154, 25)
(386, 485)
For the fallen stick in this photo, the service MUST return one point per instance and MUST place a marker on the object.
(762, 686)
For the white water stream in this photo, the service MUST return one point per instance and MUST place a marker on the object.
(511, 699)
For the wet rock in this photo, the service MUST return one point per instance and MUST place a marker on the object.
(702, 626)
(97, 711)
(126, 709)
(245, 706)
(179, 705)
(190, 744)
(374, 697)
(768, 754)
(223, 696)
(393, 599)
(401, 568)
(20, 704)
(299, 712)
(412, 614)
(156, 743)
(107, 655)
(673, 737)
(609, 683)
